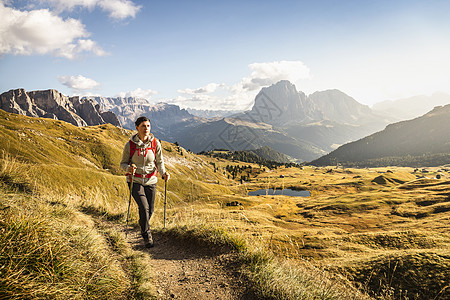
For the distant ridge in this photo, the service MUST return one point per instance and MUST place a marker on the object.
(423, 141)
(212, 113)
(413, 107)
(263, 156)
(54, 105)
(268, 153)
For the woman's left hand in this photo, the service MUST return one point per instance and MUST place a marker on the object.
(166, 176)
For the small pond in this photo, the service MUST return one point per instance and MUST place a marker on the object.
(285, 192)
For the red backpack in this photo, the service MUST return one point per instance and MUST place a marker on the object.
(133, 149)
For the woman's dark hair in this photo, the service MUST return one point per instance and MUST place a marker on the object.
(140, 120)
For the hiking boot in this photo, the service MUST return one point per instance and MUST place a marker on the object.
(148, 241)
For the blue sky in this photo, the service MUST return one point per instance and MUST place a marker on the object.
(219, 54)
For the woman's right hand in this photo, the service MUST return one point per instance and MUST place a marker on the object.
(132, 169)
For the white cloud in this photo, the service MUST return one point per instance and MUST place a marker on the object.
(90, 46)
(117, 9)
(120, 9)
(213, 96)
(264, 74)
(241, 95)
(139, 93)
(78, 83)
(62, 5)
(43, 32)
(209, 88)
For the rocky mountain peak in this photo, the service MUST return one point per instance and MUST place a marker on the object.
(53, 104)
(282, 104)
(167, 120)
(282, 87)
(338, 106)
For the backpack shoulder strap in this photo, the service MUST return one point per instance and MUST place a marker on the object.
(132, 150)
(154, 146)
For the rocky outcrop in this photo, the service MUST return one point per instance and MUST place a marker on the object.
(111, 118)
(54, 105)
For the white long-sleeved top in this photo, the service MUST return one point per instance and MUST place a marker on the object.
(146, 162)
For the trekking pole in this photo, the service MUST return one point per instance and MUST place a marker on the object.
(129, 204)
(165, 202)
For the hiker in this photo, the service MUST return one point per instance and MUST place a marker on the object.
(142, 157)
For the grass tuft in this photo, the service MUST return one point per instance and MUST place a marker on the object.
(39, 261)
(13, 174)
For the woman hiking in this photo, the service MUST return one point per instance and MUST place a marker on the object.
(142, 157)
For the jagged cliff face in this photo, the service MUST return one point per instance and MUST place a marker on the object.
(128, 109)
(166, 120)
(111, 103)
(337, 106)
(54, 105)
(281, 104)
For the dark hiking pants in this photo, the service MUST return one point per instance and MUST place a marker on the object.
(144, 195)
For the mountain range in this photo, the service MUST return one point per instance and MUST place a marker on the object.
(288, 121)
(423, 141)
(303, 127)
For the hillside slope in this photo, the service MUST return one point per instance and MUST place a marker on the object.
(52, 144)
(424, 141)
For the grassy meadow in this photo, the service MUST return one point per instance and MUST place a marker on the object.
(385, 229)
(363, 233)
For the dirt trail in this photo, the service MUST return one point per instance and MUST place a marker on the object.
(184, 270)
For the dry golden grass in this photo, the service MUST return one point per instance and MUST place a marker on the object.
(58, 183)
(50, 247)
(390, 236)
